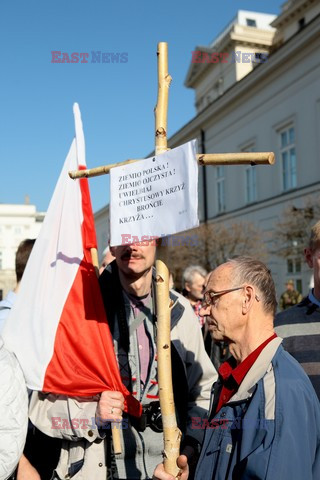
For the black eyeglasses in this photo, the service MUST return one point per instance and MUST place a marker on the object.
(209, 297)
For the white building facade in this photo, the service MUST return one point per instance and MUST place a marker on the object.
(273, 107)
(101, 220)
(17, 222)
(269, 103)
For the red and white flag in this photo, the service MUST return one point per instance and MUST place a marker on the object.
(58, 327)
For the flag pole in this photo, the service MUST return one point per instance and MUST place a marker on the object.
(114, 426)
(171, 433)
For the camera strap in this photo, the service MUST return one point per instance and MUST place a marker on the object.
(144, 311)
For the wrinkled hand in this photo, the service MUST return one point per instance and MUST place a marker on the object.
(110, 407)
(26, 471)
(182, 462)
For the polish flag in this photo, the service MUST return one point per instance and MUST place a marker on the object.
(58, 327)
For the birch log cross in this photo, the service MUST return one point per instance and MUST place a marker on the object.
(172, 434)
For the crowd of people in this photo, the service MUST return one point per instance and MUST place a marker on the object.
(246, 380)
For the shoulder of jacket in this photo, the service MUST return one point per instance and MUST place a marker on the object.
(13, 411)
(181, 308)
(289, 373)
(13, 390)
(295, 311)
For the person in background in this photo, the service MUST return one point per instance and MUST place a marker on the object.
(34, 460)
(22, 255)
(264, 418)
(107, 258)
(13, 413)
(300, 325)
(290, 297)
(193, 281)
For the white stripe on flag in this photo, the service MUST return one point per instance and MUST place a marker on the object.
(53, 264)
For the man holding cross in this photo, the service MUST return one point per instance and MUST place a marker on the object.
(128, 289)
(264, 419)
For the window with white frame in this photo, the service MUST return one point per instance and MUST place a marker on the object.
(251, 22)
(220, 180)
(294, 265)
(288, 157)
(0, 260)
(251, 182)
(251, 178)
(294, 271)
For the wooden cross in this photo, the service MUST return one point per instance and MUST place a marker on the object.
(171, 432)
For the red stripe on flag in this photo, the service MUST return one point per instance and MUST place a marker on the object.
(89, 231)
(84, 362)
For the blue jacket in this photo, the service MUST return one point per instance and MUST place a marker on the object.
(270, 429)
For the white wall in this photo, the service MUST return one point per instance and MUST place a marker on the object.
(17, 222)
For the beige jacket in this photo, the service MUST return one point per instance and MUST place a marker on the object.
(72, 419)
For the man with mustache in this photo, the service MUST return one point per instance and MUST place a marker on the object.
(264, 418)
(128, 290)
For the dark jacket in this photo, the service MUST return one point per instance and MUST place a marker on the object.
(299, 327)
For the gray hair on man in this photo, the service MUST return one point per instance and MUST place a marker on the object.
(253, 272)
(190, 272)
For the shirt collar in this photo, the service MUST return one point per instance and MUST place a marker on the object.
(229, 371)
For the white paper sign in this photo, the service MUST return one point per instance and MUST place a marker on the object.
(154, 197)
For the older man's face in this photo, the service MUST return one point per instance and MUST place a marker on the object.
(224, 314)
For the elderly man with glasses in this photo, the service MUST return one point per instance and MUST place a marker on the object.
(264, 419)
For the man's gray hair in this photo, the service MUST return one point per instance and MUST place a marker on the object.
(190, 272)
(247, 270)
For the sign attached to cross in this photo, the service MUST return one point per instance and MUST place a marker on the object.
(171, 432)
(155, 197)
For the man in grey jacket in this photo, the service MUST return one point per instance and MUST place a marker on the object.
(127, 287)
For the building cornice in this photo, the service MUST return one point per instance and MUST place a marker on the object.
(101, 212)
(39, 216)
(291, 12)
(256, 79)
(238, 35)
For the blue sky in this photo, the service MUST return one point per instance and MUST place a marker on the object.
(116, 99)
